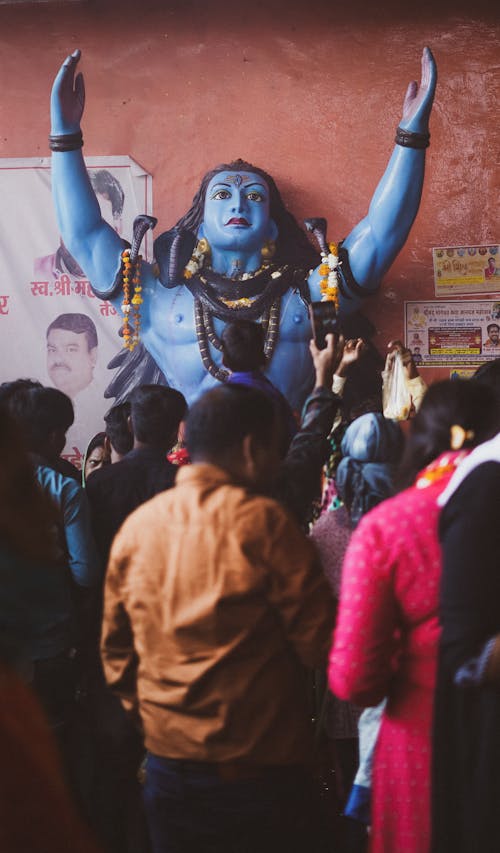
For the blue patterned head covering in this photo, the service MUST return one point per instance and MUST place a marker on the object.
(371, 448)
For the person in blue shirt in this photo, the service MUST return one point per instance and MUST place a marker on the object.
(42, 416)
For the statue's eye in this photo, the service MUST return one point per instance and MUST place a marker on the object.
(221, 194)
(253, 195)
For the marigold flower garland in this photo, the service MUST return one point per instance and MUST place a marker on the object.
(329, 271)
(131, 324)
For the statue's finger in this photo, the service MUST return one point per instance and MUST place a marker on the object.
(429, 68)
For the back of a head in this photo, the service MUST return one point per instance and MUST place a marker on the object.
(489, 374)
(363, 389)
(39, 412)
(371, 448)
(117, 428)
(243, 346)
(218, 422)
(471, 405)
(9, 389)
(155, 413)
(26, 515)
(373, 438)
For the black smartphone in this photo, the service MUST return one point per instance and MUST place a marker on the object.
(324, 321)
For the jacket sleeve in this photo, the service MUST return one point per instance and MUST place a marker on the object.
(361, 659)
(470, 581)
(299, 482)
(83, 559)
(300, 593)
(118, 654)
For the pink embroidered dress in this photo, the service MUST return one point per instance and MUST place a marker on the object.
(385, 644)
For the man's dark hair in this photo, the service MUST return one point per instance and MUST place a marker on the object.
(156, 413)
(40, 411)
(492, 326)
(117, 428)
(489, 374)
(218, 422)
(15, 386)
(243, 346)
(78, 323)
(107, 185)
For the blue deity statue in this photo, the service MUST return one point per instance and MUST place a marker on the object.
(237, 253)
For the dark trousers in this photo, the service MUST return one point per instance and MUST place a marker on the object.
(192, 807)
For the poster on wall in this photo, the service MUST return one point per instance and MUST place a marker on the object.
(466, 269)
(52, 327)
(450, 334)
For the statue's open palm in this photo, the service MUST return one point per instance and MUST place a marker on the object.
(68, 97)
(418, 100)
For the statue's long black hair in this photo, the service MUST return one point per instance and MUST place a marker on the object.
(292, 244)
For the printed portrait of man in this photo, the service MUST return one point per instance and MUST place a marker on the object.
(71, 352)
(491, 269)
(493, 340)
(111, 198)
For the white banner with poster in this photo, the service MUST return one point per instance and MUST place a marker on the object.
(450, 334)
(52, 327)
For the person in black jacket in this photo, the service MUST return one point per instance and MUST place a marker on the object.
(115, 491)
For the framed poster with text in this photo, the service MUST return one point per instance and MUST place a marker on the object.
(451, 334)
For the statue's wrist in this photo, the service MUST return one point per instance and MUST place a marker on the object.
(412, 138)
(66, 141)
(409, 136)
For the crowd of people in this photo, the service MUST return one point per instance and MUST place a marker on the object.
(193, 624)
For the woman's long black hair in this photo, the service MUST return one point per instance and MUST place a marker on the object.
(464, 402)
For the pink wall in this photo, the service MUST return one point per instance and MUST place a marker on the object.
(310, 91)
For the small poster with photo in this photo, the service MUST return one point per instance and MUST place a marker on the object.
(466, 269)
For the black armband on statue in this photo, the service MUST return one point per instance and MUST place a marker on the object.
(410, 139)
(66, 141)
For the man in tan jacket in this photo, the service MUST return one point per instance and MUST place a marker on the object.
(214, 603)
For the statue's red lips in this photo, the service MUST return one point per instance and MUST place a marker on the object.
(238, 221)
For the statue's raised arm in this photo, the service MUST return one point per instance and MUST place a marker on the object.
(89, 238)
(374, 243)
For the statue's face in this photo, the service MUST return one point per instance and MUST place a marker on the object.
(236, 213)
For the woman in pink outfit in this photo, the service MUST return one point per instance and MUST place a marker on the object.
(385, 643)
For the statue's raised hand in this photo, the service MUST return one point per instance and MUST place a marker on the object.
(68, 97)
(418, 101)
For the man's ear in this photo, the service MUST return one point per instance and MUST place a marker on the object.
(93, 356)
(107, 446)
(248, 457)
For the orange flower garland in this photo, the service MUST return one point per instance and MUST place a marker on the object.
(329, 273)
(131, 324)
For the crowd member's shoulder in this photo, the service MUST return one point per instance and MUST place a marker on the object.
(56, 483)
(477, 494)
(263, 516)
(106, 474)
